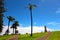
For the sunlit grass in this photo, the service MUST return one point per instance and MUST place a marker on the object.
(24, 36)
(5, 37)
(28, 37)
(55, 36)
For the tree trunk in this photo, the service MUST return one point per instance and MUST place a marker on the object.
(1, 15)
(13, 30)
(31, 21)
(8, 26)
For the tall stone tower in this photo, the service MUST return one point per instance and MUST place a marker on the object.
(45, 30)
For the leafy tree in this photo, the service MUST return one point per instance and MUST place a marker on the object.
(31, 6)
(14, 26)
(10, 19)
(1, 14)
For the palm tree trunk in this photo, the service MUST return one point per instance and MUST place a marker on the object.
(31, 21)
(1, 22)
(8, 26)
(13, 30)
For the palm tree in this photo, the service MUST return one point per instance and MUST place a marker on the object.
(10, 18)
(31, 6)
(2, 9)
(14, 26)
(6, 32)
(16, 31)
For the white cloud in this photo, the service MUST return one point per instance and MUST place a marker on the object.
(53, 23)
(5, 28)
(24, 30)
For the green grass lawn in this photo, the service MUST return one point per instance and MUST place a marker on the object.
(24, 36)
(28, 37)
(5, 37)
(55, 36)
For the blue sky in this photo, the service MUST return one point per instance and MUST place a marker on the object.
(46, 13)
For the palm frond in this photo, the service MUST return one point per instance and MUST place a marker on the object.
(10, 18)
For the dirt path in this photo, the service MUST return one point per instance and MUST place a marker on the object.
(44, 37)
(15, 37)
